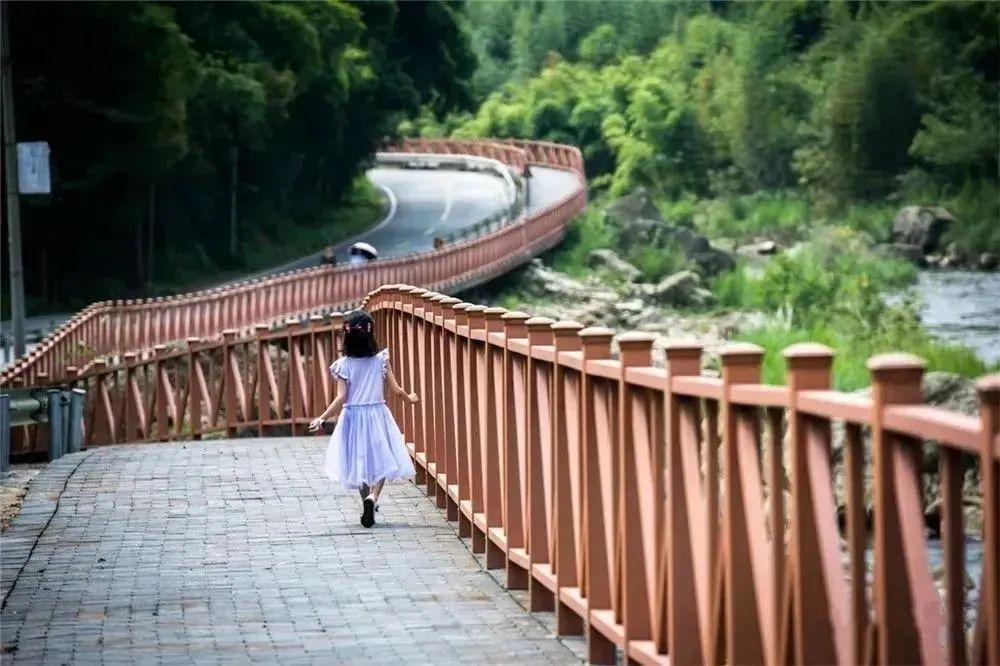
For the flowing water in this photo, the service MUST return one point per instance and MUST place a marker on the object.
(963, 307)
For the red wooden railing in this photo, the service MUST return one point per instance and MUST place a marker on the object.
(112, 329)
(639, 503)
(661, 513)
(692, 519)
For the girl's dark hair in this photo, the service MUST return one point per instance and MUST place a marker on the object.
(359, 335)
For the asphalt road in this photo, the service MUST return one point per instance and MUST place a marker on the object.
(424, 204)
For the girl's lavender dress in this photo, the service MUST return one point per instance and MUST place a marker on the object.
(366, 444)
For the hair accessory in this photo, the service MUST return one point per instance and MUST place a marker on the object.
(366, 327)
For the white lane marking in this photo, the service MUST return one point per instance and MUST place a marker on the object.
(448, 201)
(393, 205)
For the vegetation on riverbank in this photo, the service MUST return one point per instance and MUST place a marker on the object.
(830, 289)
(820, 108)
(807, 124)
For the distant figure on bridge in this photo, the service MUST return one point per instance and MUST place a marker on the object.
(362, 253)
(328, 257)
(366, 448)
(438, 243)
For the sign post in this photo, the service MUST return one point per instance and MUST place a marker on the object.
(11, 189)
(33, 168)
(26, 171)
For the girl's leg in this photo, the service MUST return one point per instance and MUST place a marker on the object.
(377, 488)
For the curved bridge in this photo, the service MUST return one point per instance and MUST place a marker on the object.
(137, 327)
(661, 515)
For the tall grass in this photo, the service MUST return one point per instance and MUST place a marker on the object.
(831, 292)
(852, 351)
(588, 232)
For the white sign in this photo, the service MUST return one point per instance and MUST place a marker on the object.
(33, 168)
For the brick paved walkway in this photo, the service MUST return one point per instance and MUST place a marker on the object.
(235, 551)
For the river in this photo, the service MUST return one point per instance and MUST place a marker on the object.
(963, 307)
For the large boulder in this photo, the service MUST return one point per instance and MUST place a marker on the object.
(639, 225)
(541, 280)
(609, 262)
(681, 289)
(950, 391)
(923, 226)
(988, 261)
(637, 205)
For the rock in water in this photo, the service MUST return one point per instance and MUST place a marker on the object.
(988, 261)
(954, 254)
(911, 253)
(922, 226)
(609, 261)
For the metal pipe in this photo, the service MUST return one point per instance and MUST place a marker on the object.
(4, 433)
(26, 409)
(74, 429)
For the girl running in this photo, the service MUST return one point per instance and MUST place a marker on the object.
(366, 448)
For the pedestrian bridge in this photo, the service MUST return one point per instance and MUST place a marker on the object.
(654, 513)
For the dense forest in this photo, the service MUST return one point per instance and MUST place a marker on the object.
(831, 104)
(186, 135)
(802, 126)
(195, 139)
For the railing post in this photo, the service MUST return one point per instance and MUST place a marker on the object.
(132, 405)
(596, 346)
(636, 351)
(161, 399)
(318, 389)
(493, 440)
(538, 470)
(448, 362)
(463, 417)
(196, 390)
(745, 628)
(986, 643)
(514, 449)
(476, 406)
(819, 610)
(437, 464)
(690, 521)
(566, 476)
(265, 375)
(228, 382)
(101, 425)
(902, 589)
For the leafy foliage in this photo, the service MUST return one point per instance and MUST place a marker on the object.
(188, 138)
(846, 106)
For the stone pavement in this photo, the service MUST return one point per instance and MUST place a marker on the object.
(238, 551)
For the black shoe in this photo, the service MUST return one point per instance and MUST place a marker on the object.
(368, 516)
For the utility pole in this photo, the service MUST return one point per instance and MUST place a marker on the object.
(11, 184)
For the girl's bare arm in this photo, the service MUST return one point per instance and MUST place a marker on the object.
(397, 389)
(333, 408)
